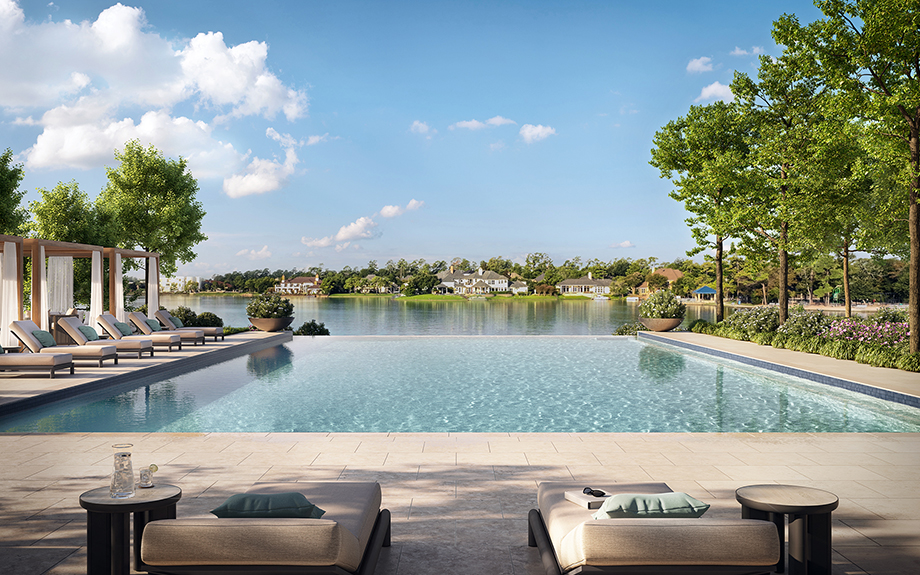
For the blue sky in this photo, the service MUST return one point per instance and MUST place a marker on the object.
(336, 133)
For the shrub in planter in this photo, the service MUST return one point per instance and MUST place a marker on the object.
(269, 306)
(208, 319)
(661, 305)
(312, 328)
(188, 317)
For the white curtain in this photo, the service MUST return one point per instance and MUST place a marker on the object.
(119, 291)
(43, 320)
(95, 295)
(60, 283)
(9, 291)
(153, 286)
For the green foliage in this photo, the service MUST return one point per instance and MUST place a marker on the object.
(889, 315)
(804, 344)
(839, 349)
(803, 323)
(879, 356)
(232, 330)
(312, 328)
(697, 325)
(779, 341)
(909, 362)
(269, 306)
(763, 338)
(630, 329)
(754, 320)
(208, 319)
(662, 304)
(152, 205)
(188, 317)
(13, 216)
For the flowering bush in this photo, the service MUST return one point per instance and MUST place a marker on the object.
(662, 304)
(755, 320)
(889, 315)
(269, 305)
(886, 334)
(630, 329)
(802, 323)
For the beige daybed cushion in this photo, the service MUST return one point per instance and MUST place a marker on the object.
(580, 540)
(24, 328)
(35, 359)
(339, 538)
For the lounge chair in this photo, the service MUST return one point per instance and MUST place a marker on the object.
(108, 323)
(72, 325)
(149, 326)
(346, 540)
(50, 362)
(24, 330)
(571, 542)
(169, 322)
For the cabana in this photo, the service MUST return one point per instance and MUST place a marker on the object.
(704, 293)
(10, 286)
(116, 286)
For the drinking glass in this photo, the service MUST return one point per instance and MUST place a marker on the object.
(123, 475)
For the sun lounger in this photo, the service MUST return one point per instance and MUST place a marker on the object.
(139, 320)
(72, 325)
(50, 362)
(169, 322)
(160, 339)
(571, 542)
(24, 331)
(346, 540)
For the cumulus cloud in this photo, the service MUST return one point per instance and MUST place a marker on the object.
(393, 211)
(422, 128)
(262, 254)
(531, 133)
(477, 125)
(93, 85)
(499, 121)
(313, 140)
(626, 244)
(703, 64)
(263, 175)
(755, 50)
(361, 228)
(715, 91)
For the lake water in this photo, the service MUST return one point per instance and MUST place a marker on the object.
(493, 316)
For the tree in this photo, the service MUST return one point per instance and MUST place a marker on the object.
(656, 282)
(869, 51)
(705, 154)
(13, 217)
(152, 201)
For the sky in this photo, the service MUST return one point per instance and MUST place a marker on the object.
(335, 133)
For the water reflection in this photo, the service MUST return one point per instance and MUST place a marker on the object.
(263, 362)
(661, 364)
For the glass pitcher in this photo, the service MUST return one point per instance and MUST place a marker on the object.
(123, 476)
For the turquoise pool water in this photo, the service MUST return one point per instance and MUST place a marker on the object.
(476, 384)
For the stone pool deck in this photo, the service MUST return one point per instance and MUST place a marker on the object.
(460, 501)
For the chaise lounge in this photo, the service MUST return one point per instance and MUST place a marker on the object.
(150, 326)
(50, 362)
(110, 325)
(29, 333)
(84, 334)
(170, 323)
(345, 541)
(571, 542)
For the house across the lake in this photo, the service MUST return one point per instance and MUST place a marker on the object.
(585, 285)
(301, 285)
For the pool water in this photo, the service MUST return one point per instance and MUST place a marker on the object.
(476, 384)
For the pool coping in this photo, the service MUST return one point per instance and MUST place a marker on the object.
(873, 390)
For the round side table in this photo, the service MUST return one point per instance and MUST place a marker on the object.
(107, 529)
(809, 511)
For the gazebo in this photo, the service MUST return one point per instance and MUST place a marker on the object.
(704, 293)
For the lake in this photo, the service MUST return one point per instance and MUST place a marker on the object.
(493, 316)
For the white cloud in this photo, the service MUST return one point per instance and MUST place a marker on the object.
(418, 127)
(261, 175)
(360, 228)
(702, 64)
(313, 140)
(262, 254)
(532, 133)
(755, 50)
(393, 211)
(626, 244)
(414, 205)
(716, 91)
(499, 145)
(499, 121)
(468, 124)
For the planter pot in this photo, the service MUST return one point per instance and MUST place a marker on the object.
(271, 323)
(661, 323)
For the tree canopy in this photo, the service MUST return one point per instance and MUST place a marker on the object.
(13, 216)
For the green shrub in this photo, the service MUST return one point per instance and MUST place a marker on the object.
(889, 315)
(839, 349)
(755, 320)
(763, 338)
(630, 329)
(697, 325)
(779, 341)
(188, 317)
(312, 328)
(909, 362)
(662, 304)
(208, 319)
(803, 323)
(269, 306)
(877, 355)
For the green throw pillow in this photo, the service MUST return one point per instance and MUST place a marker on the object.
(176, 321)
(124, 328)
(154, 324)
(45, 338)
(268, 505)
(88, 332)
(651, 505)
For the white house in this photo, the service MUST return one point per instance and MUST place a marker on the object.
(178, 283)
(478, 282)
(585, 285)
(301, 285)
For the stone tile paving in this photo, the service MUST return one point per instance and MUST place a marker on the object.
(459, 501)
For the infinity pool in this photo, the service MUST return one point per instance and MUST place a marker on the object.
(476, 384)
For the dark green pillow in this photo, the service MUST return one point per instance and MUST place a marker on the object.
(291, 504)
(648, 505)
(154, 324)
(88, 332)
(45, 338)
(124, 328)
(176, 321)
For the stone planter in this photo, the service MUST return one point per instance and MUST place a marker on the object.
(271, 323)
(661, 323)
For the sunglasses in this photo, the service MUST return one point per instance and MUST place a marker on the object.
(593, 492)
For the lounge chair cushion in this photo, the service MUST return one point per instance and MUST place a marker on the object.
(266, 505)
(88, 332)
(339, 539)
(671, 505)
(154, 324)
(44, 338)
(124, 328)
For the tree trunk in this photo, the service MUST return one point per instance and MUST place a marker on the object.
(720, 305)
(783, 275)
(763, 288)
(846, 278)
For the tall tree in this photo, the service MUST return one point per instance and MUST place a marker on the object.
(13, 216)
(705, 154)
(152, 201)
(869, 51)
